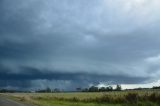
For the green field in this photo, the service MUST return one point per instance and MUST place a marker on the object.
(121, 98)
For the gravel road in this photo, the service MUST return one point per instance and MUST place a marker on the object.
(8, 102)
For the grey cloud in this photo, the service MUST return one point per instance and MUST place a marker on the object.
(89, 39)
(29, 76)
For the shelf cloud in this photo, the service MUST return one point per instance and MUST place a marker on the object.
(78, 43)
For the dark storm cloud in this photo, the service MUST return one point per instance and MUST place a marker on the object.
(35, 74)
(97, 41)
(25, 80)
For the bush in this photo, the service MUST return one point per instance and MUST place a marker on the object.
(132, 97)
(74, 99)
(154, 97)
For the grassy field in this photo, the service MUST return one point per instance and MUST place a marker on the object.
(121, 98)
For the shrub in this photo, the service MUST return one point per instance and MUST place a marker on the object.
(131, 97)
(74, 99)
(154, 97)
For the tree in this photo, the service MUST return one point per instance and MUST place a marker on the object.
(85, 90)
(48, 90)
(93, 89)
(118, 88)
(110, 88)
(102, 89)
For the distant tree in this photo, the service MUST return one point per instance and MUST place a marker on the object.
(7, 91)
(110, 88)
(48, 90)
(102, 89)
(93, 89)
(156, 87)
(118, 88)
(85, 90)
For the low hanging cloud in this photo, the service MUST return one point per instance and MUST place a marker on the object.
(84, 42)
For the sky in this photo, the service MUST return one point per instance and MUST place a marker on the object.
(77, 43)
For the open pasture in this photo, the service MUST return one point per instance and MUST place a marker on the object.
(119, 98)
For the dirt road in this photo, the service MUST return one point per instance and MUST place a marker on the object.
(8, 102)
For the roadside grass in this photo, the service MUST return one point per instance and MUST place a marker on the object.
(67, 103)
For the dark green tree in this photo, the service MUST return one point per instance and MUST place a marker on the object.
(118, 88)
(93, 89)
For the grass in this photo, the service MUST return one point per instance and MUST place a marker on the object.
(122, 98)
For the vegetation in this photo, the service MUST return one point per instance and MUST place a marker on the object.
(6, 91)
(101, 89)
(92, 96)
(115, 98)
(96, 89)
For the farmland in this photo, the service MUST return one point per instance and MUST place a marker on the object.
(116, 98)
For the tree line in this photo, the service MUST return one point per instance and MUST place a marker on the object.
(90, 89)
(48, 90)
(100, 89)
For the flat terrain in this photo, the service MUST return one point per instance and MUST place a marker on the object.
(116, 98)
(9, 102)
